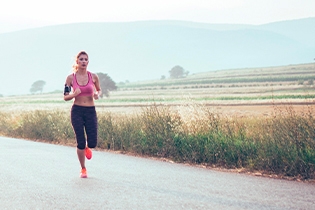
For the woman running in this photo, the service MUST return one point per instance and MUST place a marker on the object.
(86, 89)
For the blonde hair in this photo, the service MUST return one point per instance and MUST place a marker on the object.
(75, 65)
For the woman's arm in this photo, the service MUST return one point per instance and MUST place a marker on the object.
(67, 89)
(97, 86)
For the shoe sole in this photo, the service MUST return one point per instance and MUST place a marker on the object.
(88, 155)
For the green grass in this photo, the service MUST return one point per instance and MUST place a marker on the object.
(290, 73)
(283, 144)
(191, 132)
(244, 98)
(218, 81)
(161, 97)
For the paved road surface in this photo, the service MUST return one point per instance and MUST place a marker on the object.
(45, 176)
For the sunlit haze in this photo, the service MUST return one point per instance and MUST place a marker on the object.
(33, 13)
(142, 40)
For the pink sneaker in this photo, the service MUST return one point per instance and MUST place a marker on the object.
(88, 153)
(83, 173)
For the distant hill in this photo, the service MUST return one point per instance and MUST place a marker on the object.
(138, 51)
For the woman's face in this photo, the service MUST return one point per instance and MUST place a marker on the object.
(83, 61)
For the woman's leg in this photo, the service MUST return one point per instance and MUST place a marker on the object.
(77, 122)
(91, 127)
(81, 156)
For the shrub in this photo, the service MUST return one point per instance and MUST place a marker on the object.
(310, 82)
(282, 144)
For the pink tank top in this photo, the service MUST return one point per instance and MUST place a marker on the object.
(86, 90)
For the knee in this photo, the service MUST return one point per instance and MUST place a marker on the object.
(92, 144)
(81, 145)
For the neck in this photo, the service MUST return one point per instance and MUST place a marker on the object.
(81, 71)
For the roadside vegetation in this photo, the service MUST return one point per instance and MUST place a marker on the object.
(283, 144)
(178, 124)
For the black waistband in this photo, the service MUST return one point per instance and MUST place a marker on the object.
(83, 107)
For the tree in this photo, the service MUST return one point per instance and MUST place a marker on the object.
(177, 72)
(37, 86)
(106, 83)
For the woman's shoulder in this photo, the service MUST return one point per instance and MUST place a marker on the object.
(69, 79)
(70, 76)
(94, 75)
(91, 73)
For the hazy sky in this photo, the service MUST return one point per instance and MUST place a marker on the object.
(33, 13)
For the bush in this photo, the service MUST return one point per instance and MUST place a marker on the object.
(39, 124)
(282, 144)
(310, 82)
(300, 82)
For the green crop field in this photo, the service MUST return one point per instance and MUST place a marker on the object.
(293, 83)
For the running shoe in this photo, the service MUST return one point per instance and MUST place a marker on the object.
(83, 173)
(88, 153)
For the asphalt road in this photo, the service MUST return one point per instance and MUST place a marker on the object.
(44, 176)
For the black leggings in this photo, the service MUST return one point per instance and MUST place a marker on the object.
(84, 118)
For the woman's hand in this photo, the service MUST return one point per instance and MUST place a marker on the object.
(96, 96)
(77, 91)
(68, 96)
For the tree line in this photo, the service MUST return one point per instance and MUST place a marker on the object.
(107, 84)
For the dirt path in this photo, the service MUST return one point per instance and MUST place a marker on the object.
(238, 109)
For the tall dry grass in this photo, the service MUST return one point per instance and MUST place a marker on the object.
(283, 144)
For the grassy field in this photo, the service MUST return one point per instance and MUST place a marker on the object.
(246, 119)
(287, 84)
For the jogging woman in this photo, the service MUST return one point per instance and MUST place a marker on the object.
(83, 86)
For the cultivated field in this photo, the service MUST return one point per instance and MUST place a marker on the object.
(241, 92)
